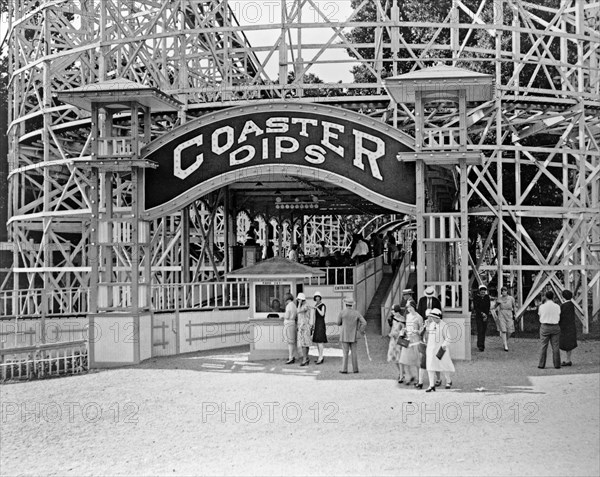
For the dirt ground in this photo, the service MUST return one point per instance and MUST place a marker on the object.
(216, 413)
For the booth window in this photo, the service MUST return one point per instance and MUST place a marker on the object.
(269, 298)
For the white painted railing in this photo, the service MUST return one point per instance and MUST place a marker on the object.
(334, 276)
(63, 301)
(363, 280)
(44, 361)
(198, 296)
(394, 295)
(115, 296)
(367, 277)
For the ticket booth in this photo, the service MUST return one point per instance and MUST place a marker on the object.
(270, 280)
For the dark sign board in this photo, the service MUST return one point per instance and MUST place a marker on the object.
(318, 142)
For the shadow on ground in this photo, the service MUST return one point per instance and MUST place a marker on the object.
(491, 371)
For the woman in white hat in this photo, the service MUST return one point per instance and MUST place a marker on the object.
(410, 355)
(304, 326)
(319, 335)
(289, 327)
(438, 339)
(394, 349)
(505, 306)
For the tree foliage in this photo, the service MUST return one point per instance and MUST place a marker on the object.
(478, 55)
(410, 11)
(311, 78)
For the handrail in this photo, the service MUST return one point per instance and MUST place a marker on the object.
(368, 274)
(42, 347)
(28, 303)
(333, 276)
(44, 360)
(395, 291)
(200, 296)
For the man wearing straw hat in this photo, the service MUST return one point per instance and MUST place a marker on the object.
(351, 323)
(481, 307)
(428, 302)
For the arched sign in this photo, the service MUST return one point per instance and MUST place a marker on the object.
(313, 141)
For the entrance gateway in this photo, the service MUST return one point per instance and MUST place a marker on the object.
(314, 142)
(319, 143)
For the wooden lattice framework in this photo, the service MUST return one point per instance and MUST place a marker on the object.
(543, 124)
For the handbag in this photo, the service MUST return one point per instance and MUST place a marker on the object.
(402, 341)
(440, 353)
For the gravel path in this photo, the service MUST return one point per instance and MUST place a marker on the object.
(215, 413)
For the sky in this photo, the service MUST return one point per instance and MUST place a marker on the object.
(268, 13)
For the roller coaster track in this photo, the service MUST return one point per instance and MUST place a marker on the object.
(540, 134)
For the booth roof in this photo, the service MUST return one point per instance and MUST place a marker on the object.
(441, 72)
(117, 93)
(277, 267)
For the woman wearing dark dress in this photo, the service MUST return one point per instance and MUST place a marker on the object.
(319, 334)
(568, 331)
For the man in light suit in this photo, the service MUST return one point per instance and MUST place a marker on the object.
(352, 323)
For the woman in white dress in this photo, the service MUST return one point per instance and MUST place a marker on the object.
(438, 338)
(505, 305)
(409, 358)
(394, 349)
(289, 327)
(304, 325)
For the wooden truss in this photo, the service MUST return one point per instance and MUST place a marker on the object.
(543, 125)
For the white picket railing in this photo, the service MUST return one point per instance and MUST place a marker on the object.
(30, 302)
(43, 361)
(198, 296)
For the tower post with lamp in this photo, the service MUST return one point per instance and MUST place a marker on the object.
(120, 320)
(441, 96)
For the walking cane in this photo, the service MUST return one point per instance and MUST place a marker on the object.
(367, 346)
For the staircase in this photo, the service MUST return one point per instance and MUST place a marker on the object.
(373, 315)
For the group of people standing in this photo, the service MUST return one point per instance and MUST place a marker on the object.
(557, 327)
(557, 323)
(302, 329)
(419, 341)
(419, 338)
(505, 314)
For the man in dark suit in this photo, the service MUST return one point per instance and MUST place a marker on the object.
(481, 306)
(428, 302)
(351, 323)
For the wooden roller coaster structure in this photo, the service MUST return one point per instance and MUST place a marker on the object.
(540, 134)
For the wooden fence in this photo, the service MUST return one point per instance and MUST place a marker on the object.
(44, 361)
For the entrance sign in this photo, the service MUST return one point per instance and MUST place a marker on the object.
(343, 288)
(314, 141)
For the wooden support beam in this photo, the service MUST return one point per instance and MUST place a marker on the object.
(442, 158)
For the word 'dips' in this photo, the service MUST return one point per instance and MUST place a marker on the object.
(275, 137)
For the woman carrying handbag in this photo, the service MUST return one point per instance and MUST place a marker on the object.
(438, 354)
(505, 304)
(409, 358)
(395, 349)
(319, 335)
(303, 333)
